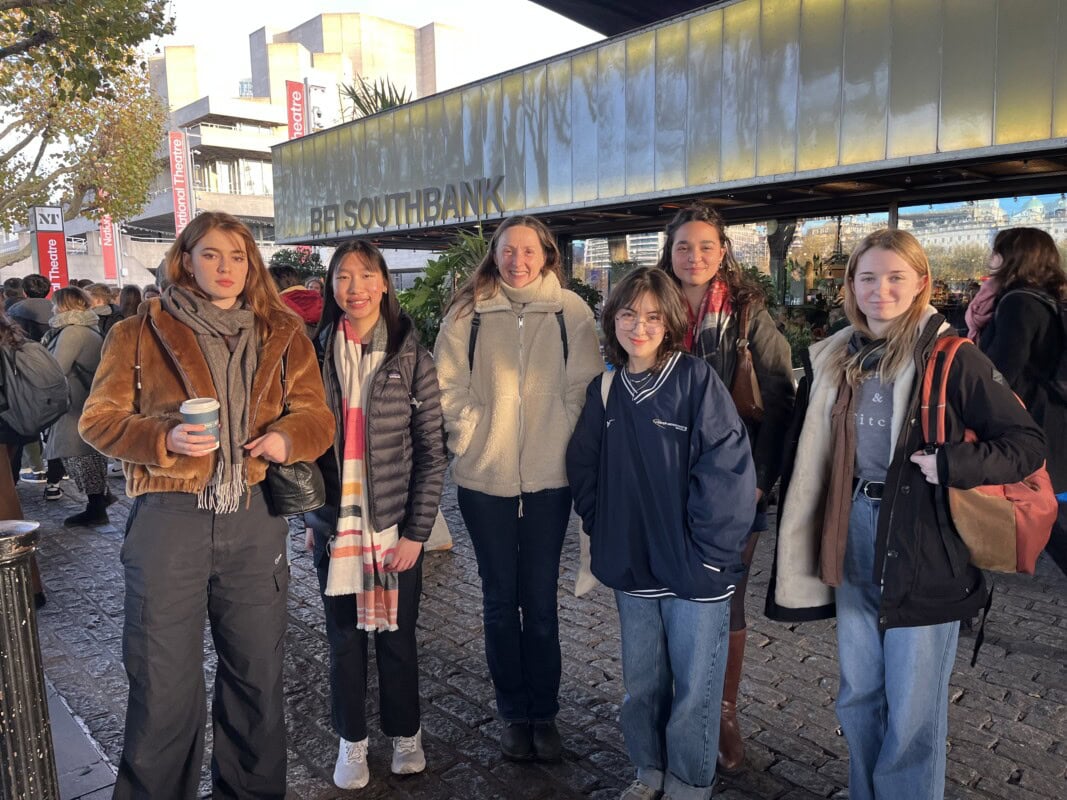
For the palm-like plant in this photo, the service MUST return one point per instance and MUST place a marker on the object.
(371, 97)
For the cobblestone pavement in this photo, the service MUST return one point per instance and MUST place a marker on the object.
(1008, 718)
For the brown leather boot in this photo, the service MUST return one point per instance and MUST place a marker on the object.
(731, 746)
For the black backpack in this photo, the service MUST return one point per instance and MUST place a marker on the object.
(34, 390)
(1057, 383)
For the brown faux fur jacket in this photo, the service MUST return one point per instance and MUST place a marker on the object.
(131, 424)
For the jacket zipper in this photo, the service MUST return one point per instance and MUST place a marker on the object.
(522, 413)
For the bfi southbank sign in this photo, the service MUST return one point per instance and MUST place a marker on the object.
(475, 198)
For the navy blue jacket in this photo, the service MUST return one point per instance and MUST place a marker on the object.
(664, 483)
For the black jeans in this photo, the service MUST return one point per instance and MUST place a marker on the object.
(395, 652)
(518, 562)
(183, 563)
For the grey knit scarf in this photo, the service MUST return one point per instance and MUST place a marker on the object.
(227, 340)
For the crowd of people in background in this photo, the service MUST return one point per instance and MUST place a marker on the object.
(666, 430)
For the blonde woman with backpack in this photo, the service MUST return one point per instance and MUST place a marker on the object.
(859, 529)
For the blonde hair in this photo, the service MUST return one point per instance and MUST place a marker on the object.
(904, 330)
(259, 293)
(71, 298)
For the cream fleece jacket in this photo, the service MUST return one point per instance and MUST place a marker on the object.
(510, 418)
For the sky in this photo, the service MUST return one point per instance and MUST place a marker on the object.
(510, 33)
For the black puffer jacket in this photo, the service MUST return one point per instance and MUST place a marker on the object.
(405, 446)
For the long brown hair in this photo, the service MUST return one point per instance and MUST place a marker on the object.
(259, 292)
(484, 282)
(741, 289)
(904, 330)
(1031, 261)
(389, 307)
(11, 335)
(671, 302)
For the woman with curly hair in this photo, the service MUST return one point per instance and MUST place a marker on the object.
(719, 299)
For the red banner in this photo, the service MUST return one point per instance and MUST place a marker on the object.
(179, 180)
(52, 258)
(297, 108)
(107, 248)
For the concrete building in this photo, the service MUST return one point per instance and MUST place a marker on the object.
(230, 137)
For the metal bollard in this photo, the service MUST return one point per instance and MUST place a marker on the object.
(27, 759)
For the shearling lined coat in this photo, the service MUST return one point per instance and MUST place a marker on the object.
(925, 571)
(131, 424)
(509, 420)
(405, 446)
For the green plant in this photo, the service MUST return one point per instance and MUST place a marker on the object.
(798, 334)
(371, 97)
(765, 283)
(303, 259)
(590, 294)
(426, 301)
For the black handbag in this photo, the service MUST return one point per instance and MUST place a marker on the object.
(294, 488)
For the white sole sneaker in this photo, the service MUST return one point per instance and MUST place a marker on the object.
(351, 770)
(408, 756)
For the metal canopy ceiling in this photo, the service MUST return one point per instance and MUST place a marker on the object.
(861, 192)
(618, 16)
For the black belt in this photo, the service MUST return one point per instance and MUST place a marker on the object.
(870, 489)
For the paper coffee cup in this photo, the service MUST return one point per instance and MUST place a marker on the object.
(202, 411)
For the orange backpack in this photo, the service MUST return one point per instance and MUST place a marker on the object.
(1004, 526)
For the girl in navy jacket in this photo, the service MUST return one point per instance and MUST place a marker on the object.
(662, 477)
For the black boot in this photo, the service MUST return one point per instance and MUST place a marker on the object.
(546, 742)
(516, 741)
(95, 513)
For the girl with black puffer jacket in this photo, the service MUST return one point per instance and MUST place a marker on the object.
(384, 476)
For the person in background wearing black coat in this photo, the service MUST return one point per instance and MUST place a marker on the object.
(1024, 340)
(384, 476)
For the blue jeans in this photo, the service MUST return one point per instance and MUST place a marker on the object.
(893, 701)
(518, 562)
(673, 664)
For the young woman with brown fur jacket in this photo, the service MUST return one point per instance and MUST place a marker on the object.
(201, 539)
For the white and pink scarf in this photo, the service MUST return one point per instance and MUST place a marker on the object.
(358, 552)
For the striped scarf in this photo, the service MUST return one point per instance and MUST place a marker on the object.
(358, 552)
(714, 308)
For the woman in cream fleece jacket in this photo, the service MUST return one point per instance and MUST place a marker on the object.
(515, 353)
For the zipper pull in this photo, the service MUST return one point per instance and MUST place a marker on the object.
(520, 506)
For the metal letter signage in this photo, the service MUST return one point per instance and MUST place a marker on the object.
(297, 108)
(475, 198)
(179, 180)
(50, 244)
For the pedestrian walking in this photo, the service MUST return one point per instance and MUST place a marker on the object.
(384, 476)
(859, 522)
(654, 457)
(201, 539)
(514, 355)
(74, 339)
(1024, 337)
(719, 301)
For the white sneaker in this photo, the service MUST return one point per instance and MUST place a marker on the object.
(351, 771)
(114, 468)
(408, 755)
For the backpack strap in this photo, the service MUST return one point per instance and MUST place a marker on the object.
(476, 323)
(934, 388)
(563, 335)
(606, 379)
